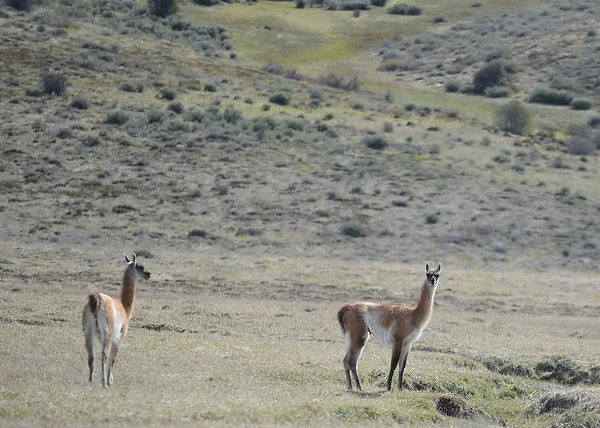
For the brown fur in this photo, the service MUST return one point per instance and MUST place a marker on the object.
(395, 324)
(104, 314)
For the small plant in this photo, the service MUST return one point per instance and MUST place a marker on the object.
(300, 4)
(352, 84)
(497, 92)
(353, 230)
(273, 67)
(581, 104)
(491, 74)
(388, 127)
(175, 107)
(80, 103)
(168, 94)
(404, 9)
(438, 19)
(154, 116)
(54, 83)
(389, 96)
(356, 13)
(209, 87)
(22, 5)
(162, 8)
(197, 233)
(116, 117)
(375, 142)
(132, 87)
(594, 122)
(431, 219)
(452, 86)
(282, 98)
(550, 96)
(580, 146)
(513, 117)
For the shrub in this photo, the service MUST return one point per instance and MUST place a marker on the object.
(388, 127)
(550, 96)
(513, 117)
(116, 117)
(54, 83)
(206, 2)
(353, 230)
(452, 86)
(80, 103)
(175, 107)
(22, 5)
(431, 219)
(231, 115)
(168, 94)
(154, 116)
(352, 84)
(354, 5)
(300, 4)
(209, 87)
(282, 98)
(580, 146)
(197, 233)
(594, 122)
(404, 9)
(273, 67)
(378, 3)
(497, 92)
(34, 92)
(439, 18)
(162, 8)
(375, 142)
(131, 87)
(581, 104)
(489, 75)
(356, 13)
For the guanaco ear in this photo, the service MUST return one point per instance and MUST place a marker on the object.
(439, 268)
(427, 267)
(133, 257)
(126, 259)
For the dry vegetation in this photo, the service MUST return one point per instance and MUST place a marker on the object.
(261, 200)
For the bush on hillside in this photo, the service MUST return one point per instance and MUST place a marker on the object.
(404, 9)
(22, 5)
(54, 83)
(513, 117)
(162, 8)
(489, 75)
(550, 96)
(581, 104)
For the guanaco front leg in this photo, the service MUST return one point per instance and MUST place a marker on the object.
(396, 351)
(403, 356)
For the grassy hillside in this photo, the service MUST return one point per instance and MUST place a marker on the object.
(262, 202)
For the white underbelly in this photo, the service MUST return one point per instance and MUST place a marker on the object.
(385, 335)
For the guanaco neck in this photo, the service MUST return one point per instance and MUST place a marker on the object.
(128, 290)
(422, 313)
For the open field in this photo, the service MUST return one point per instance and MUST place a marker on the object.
(237, 339)
(261, 203)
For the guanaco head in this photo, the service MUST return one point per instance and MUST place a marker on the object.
(432, 277)
(140, 270)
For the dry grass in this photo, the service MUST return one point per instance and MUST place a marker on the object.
(211, 343)
(237, 210)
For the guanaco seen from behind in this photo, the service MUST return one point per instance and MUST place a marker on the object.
(395, 325)
(107, 318)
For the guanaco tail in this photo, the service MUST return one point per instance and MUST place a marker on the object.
(107, 318)
(395, 325)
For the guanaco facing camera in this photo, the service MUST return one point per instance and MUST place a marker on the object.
(394, 325)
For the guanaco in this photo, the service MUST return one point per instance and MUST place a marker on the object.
(394, 325)
(107, 318)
